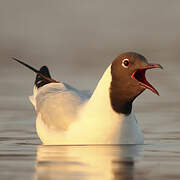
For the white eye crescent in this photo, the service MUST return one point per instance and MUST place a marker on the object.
(125, 63)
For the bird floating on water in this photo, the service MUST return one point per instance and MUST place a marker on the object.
(68, 116)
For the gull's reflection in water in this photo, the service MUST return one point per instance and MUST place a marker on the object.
(87, 162)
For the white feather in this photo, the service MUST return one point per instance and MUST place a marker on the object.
(65, 116)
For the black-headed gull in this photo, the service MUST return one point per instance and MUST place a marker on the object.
(66, 115)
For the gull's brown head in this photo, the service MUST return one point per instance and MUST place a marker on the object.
(128, 80)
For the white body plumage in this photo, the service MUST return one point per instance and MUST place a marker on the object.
(66, 116)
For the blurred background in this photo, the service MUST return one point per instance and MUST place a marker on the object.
(77, 40)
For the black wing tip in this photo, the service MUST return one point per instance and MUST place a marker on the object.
(14, 58)
(43, 74)
(44, 69)
(40, 81)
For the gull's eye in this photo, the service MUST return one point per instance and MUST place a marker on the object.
(125, 63)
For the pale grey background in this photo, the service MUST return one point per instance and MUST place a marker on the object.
(77, 40)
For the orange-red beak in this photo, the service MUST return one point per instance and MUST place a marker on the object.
(139, 75)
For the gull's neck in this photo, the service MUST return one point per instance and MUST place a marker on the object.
(101, 93)
(100, 100)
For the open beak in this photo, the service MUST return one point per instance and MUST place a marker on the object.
(139, 75)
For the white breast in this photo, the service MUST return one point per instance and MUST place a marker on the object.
(100, 124)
